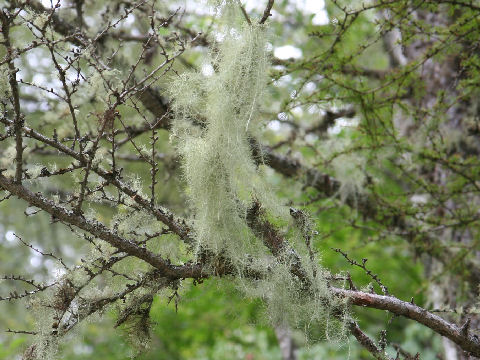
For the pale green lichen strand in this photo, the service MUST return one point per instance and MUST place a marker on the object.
(218, 167)
(215, 117)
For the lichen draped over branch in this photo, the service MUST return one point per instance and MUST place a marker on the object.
(216, 116)
(219, 170)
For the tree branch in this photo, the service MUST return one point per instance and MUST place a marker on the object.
(6, 21)
(266, 13)
(102, 232)
(366, 342)
(461, 336)
(466, 340)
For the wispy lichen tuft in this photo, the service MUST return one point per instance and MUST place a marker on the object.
(220, 172)
(216, 116)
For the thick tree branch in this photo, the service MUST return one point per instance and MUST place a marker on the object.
(461, 336)
(465, 339)
(275, 242)
(102, 232)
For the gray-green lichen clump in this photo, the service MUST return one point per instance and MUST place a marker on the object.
(218, 166)
(215, 116)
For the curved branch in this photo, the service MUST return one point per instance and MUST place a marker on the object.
(459, 335)
(279, 246)
(101, 231)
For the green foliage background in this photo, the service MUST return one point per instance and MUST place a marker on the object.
(214, 321)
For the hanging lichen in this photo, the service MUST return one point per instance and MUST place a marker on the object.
(218, 166)
(216, 115)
